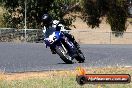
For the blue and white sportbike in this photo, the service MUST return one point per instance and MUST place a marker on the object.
(63, 46)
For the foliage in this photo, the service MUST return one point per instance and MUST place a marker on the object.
(35, 9)
(16, 12)
(92, 11)
(114, 10)
(62, 7)
(117, 16)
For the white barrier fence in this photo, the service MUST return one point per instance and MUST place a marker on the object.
(88, 37)
(81, 36)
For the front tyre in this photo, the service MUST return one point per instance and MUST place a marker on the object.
(64, 55)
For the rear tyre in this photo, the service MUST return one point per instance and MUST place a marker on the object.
(63, 55)
(80, 58)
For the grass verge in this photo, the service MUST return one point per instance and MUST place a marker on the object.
(59, 79)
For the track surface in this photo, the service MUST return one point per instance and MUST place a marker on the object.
(35, 57)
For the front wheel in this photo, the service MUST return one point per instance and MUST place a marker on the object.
(64, 55)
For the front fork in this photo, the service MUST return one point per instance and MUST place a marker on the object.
(64, 47)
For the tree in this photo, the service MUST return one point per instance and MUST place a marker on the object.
(16, 9)
(35, 9)
(92, 10)
(114, 10)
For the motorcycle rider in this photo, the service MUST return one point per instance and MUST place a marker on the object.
(48, 22)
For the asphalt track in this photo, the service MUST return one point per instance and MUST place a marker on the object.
(35, 57)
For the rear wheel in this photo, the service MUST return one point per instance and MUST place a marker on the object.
(80, 58)
(64, 55)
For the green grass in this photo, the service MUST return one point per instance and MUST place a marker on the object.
(67, 81)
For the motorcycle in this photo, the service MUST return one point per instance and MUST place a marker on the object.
(63, 46)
